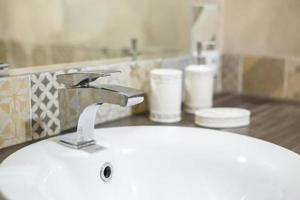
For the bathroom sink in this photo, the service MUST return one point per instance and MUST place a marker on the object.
(154, 163)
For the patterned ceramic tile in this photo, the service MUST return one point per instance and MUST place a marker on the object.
(231, 73)
(263, 76)
(44, 104)
(14, 111)
(292, 89)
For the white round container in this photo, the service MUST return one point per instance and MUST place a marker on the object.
(199, 86)
(165, 95)
(222, 117)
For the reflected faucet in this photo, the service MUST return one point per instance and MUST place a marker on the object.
(84, 83)
(134, 48)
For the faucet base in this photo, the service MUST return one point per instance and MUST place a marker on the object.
(71, 141)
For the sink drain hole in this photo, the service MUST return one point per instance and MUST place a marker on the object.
(106, 172)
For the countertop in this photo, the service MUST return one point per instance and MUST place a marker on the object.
(276, 121)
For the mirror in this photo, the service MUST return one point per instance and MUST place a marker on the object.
(43, 32)
(205, 23)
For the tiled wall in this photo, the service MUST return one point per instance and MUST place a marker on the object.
(277, 77)
(259, 27)
(30, 107)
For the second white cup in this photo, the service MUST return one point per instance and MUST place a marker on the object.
(198, 87)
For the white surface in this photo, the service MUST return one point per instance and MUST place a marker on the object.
(135, 100)
(155, 163)
(222, 117)
(198, 87)
(166, 73)
(165, 95)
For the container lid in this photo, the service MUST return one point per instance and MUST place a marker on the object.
(166, 73)
(222, 117)
(199, 69)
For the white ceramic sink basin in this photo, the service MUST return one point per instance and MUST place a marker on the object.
(155, 163)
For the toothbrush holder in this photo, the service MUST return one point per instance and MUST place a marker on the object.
(198, 86)
(165, 95)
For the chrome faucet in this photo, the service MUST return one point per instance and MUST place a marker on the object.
(84, 83)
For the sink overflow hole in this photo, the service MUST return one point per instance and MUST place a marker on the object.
(106, 172)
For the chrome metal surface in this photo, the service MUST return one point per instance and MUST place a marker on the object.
(83, 79)
(112, 94)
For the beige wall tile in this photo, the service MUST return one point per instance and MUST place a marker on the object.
(265, 27)
(292, 65)
(230, 68)
(14, 111)
(263, 76)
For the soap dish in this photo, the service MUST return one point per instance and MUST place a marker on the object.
(222, 117)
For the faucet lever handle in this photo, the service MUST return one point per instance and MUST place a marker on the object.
(83, 79)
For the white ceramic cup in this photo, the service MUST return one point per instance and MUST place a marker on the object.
(199, 87)
(165, 95)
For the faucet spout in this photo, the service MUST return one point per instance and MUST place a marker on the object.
(120, 95)
(112, 94)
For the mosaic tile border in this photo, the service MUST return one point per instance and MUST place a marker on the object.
(44, 104)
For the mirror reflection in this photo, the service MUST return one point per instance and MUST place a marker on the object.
(42, 32)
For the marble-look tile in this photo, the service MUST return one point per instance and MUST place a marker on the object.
(231, 68)
(292, 89)
(263, 76)
(68, 106)
(109, 112)
(140, 79)
(14, 111)
(44, 104)
(140, 74)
